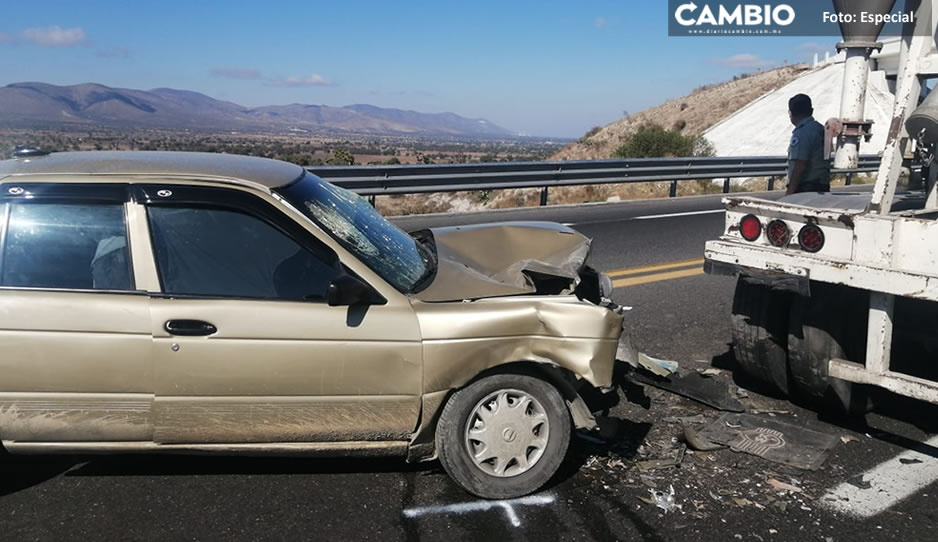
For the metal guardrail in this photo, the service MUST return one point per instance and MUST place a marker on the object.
(416, 179)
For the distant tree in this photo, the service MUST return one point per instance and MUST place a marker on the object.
(422, 158)
(392, 161)
(341, 157)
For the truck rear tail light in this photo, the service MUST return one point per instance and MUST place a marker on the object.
(811, 238)
(750, 228)
(778, 233)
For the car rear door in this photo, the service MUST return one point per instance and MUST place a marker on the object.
(246, 350)
(75, 338)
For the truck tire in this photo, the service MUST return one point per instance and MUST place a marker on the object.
(828, 324)
(760, 333)
(495, 451)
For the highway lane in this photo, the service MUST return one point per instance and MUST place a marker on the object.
(723, 494)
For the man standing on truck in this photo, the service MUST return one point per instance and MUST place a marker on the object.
(809, 170)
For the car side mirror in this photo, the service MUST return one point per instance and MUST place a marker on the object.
(348, 290)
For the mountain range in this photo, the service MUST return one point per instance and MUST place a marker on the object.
(45, 105)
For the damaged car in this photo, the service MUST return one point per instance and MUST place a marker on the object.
(189, 302)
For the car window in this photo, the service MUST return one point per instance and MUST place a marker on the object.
(222, 252)
(53, 245)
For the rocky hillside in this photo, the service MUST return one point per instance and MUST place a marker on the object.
(691, 114)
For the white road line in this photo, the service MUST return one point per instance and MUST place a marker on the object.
(890, 482)
(669, 215)
(508, 506)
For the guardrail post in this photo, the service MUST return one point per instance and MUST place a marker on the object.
(771, 183)
(726, 185)
(673, 191)
(849, 178)
(543, 196)
(371, 200)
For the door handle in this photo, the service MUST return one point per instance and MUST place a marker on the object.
(189, 328)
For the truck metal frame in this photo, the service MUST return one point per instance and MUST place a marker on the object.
(878, 247)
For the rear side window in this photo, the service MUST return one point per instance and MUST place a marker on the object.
(222, 252)
(56, 245)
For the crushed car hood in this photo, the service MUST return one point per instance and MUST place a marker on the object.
(506, 258)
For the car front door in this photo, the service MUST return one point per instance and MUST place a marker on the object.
(246, 348)
(75, 338)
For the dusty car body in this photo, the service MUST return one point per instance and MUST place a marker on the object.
(237, 304)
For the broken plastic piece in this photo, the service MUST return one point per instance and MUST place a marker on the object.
(655, 464)
(660, 367)
(782, 486)
(858, 481)
(709, 391)
(697, 443)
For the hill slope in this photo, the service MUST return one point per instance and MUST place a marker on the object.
(691, 114)
(41, 104)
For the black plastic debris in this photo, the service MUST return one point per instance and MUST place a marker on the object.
(709, 391)
(771, 439)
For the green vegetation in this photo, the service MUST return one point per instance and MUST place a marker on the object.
(341, 157)
(653, 141)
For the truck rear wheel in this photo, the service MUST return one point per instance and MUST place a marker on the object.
(760, 332)
(830, 323)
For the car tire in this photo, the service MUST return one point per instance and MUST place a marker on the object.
(479, 420)
(760, 333)
(828, 324)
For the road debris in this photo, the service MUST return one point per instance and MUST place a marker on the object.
(846, 439)
(660, 367)
(694, 440)
(709, 391)
(667, 463)
(782, 486)
(663, 500)
(909, 460)
(770, 439)
(699, 419)
(858, 482)
(709, 372)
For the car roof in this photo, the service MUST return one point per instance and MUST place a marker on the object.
(270, 173)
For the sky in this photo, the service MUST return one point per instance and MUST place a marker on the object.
(542, 68)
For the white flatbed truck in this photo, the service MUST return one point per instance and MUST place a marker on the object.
(841, 290)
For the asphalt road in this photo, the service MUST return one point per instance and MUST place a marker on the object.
(600, 494)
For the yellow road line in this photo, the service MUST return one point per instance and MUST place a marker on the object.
(645, 279)
(649, 268)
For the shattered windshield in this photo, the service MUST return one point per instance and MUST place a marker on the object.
(358, 227)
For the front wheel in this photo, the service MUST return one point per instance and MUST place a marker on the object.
(503, 436)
